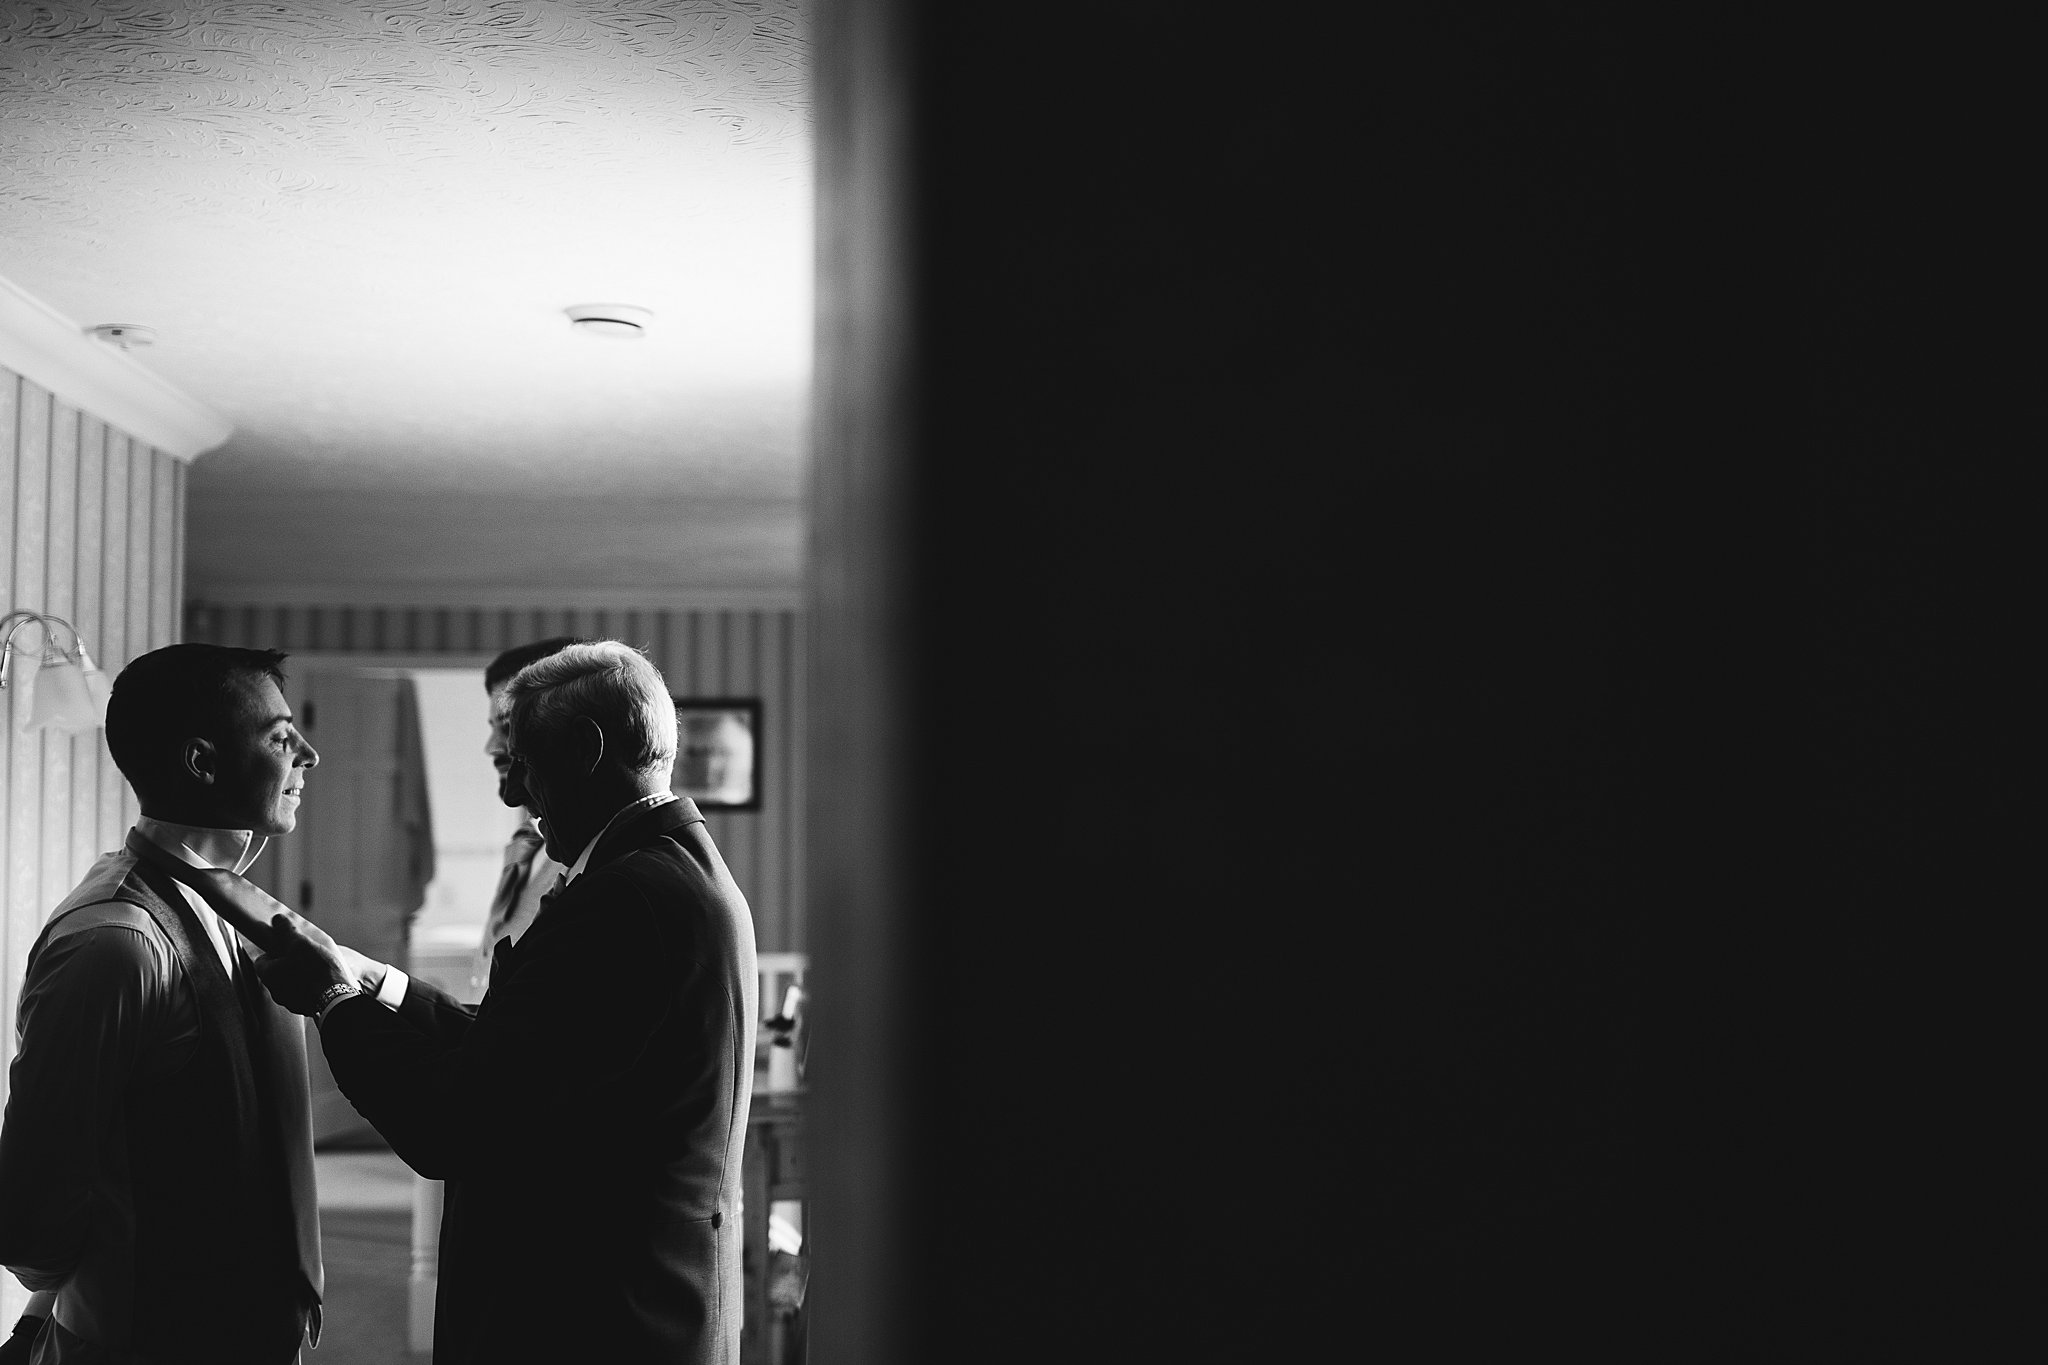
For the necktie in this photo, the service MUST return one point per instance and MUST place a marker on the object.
(505, 952)
(246, 907)
(519, 856)
(505, 897)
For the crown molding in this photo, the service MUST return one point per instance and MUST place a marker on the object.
(47, 348)
(366, 596)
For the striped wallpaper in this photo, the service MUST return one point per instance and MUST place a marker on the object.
(724, 652)
(94, 525)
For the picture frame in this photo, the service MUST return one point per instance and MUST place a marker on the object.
(718, 752)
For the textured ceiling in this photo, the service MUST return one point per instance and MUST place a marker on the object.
(355, 227)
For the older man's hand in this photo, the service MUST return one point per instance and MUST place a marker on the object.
(303, 964)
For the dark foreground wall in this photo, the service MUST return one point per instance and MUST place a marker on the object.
(1397, 611)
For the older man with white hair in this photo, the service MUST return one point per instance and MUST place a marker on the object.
(589, 1115)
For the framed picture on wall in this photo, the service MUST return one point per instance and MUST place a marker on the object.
(718, 752)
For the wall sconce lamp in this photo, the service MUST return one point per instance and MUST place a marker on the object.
(66, 692)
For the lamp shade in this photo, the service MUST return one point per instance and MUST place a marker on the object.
(97, 684)
(62, 698)
(63, 691)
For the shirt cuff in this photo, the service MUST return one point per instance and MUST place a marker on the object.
(391, 990)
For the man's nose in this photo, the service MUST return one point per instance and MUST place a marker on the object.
(309, 757)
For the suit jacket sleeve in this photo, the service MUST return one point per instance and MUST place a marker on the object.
(435, 1013)
(549, 1037)
(95, 994)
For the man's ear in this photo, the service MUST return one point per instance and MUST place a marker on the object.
(200, 761)
(589, 739)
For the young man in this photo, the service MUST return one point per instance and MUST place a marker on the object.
(156, 1161)
(528, 871)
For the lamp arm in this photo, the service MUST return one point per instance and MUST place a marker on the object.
(15, 620)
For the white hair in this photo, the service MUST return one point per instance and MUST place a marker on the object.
(608, 682)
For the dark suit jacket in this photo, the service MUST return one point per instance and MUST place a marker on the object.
(588, 1116)
(157, 1150)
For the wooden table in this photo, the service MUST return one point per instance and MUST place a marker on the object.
(772, 1169)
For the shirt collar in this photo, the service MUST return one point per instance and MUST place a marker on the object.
(200, 846)
(647, 802)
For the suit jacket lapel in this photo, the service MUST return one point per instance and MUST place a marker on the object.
(263, 1040)
(639, 831)
(211, 988)
(505, 956)
(277, 1048)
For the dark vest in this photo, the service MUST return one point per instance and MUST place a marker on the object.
(226, 1262)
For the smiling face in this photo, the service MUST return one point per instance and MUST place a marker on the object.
(499, 747)
(260, 764)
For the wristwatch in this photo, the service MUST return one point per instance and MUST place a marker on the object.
(334, 995)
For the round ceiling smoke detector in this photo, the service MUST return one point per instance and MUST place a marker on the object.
(126, 335)
(609, 319)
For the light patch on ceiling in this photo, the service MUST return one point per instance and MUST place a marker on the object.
(355, 227)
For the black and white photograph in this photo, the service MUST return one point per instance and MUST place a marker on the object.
(917, 682)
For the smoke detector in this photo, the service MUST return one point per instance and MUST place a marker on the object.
(609, 319)
(126, 335)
